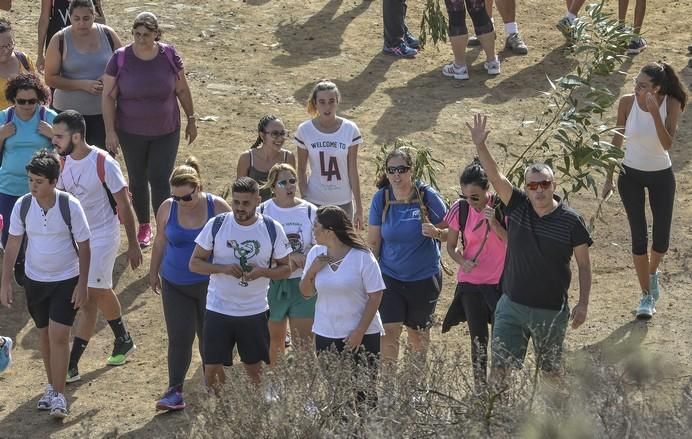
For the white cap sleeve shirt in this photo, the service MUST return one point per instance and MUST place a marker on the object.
(225, 294)
(328, 157)
(50, 254)
(343, 293)
(80, 178)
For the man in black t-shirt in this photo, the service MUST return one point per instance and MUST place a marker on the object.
(542, 235)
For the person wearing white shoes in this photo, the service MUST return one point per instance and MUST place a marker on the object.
(54, 229)
(459, 37)
(647, 121)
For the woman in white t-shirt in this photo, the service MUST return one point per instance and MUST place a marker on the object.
(344, 274)
(648, 119)
(286, 304)
(330, 145)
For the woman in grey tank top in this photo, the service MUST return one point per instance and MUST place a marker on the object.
(75, 62)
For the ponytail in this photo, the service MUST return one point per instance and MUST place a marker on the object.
(663, 76)
(261, 126)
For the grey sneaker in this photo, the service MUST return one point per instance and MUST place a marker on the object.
(46, 401)
(566, 27)
(646, 308)
(72, 375)
(492, 67)
(636, 46)
(58, 408)
(454, 71)
(516, 44)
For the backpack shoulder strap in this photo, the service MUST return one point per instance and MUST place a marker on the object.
(61, 42)
(109, 37)
(64, 206)
(101, 166)
(10, 115)
(120, 57)
(463, 217)
(169, 51)
(270, 223)
(42, 113)
(310, 212)
(499, 211)
(24, 209)
(215, 227)
(262, 208)
(23, 60)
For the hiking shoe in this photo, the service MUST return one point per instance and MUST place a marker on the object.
(144, 235)
(653, 285)
(72, 375)
(454, 71)
(5, 354)
(122, 347)
(492, 67)
(636, 46)
(515, 44)
(172, 400)
(58, 407)
(474, 41)
(646, 308)
(566, 27)
(46, 401)
(411, 41)
(401, 51)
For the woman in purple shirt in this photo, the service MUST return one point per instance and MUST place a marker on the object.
(146, 79)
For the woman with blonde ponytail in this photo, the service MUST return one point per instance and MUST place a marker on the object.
(178, 222)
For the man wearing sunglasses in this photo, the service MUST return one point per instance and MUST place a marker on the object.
(542, 235)
(80, 177)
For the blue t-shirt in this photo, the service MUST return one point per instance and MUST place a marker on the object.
(405, 254)
(19, 149)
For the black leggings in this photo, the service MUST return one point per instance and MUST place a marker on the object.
(457, 17)
(183, 308)
(479, 302)
(149, 161)
(661, 185)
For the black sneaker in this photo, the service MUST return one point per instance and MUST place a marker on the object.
(121, 349)
(72, 375)
(411, 41)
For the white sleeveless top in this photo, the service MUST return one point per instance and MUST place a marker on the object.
(643, 149)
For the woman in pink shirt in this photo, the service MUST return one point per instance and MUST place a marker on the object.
(480, 250)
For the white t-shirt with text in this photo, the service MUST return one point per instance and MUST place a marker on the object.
(233, 241)
(50, 253)
(343, 293)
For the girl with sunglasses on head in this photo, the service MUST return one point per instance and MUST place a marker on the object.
(477, 241)
(329, 144)
(178, 222)
(286, 304)
(266, 152)
(12, 62)
(25, 128)
(648, 121)
(405, 228)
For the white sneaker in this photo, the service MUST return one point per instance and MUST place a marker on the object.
(492, 67)
(271, 395)
(646, 308)
(58, 408)
(46, 401)
(454, 71)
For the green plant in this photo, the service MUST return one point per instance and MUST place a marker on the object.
(426, 165)
(433, 22)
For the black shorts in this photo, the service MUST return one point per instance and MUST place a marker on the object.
(222, 333)
(410, 302)
(367, 354)
(50, 301)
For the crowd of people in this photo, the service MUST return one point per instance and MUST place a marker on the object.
(238, 276)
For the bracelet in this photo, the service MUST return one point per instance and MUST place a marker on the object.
(192, 116)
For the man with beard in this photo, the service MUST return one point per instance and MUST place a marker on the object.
(238, 251)
(95, 179)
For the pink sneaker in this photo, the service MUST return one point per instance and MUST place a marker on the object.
(144, 235)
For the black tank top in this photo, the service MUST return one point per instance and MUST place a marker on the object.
(261, 176)
(59, 18)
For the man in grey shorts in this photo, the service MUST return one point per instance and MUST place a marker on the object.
(542, 235)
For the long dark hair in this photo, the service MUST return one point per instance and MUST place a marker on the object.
(474, 173)
(382, 180)
(261, 126)
(663, 75)
(335, 219)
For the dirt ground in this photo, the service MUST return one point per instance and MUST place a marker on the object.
(248, 58)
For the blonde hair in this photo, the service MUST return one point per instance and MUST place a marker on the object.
(187, 174)
(274, 174)
(323, 85)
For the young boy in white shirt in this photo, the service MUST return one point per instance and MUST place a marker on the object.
(245, 257)
(56, 268)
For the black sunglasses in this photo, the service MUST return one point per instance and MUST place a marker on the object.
(283, 183)
(26, 101)
(187, 197)
(470, 197)
(398, 169)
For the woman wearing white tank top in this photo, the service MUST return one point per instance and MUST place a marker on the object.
(647, 121)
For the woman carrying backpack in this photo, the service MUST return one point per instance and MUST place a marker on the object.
(25, 128)
(75, 61)
(475, 221)
(405, 229)
(12, 62)
(146, 80)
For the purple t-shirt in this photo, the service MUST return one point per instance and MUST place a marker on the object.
(147, 104)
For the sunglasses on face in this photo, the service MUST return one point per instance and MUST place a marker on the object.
(398, 169)
(545, 184)
(26, 101)
(277, 134)
(470, 197)
(283, 183)
(187, 197)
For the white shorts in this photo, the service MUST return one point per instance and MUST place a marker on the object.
(103, 254)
